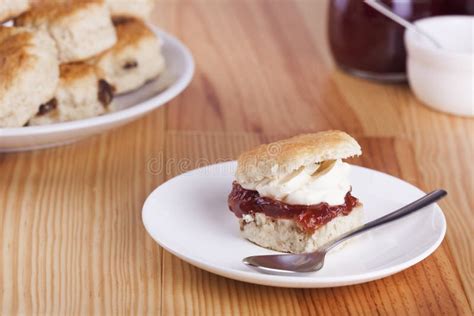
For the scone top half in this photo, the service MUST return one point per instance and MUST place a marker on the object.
(306, 169)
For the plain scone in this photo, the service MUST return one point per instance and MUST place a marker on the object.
(12, 8)
(135, 59)
(280, 159)
(81, 29)
(140, 9)
(82, 93)
(29, 74)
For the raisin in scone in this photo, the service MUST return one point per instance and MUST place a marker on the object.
(10, 9)
(134, 60)
(82, 93)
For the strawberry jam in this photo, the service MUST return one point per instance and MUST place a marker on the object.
(308, 217)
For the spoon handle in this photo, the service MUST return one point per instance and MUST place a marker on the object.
(402, 212)
(382, 8)
(385, 10)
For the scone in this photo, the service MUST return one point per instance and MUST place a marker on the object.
(135, 59)
(82, 93)
(294, 195)
(80, 28)
(140, 9)
(29, 74)
(12, 8)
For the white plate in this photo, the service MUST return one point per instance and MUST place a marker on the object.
(178, 74)
(188, 216)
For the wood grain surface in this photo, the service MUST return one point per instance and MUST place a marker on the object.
(71, 237)
(87, 252)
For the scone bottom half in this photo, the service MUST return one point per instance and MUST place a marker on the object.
(296, 207)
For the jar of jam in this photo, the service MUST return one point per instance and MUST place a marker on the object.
(365, 43)
(462, 7)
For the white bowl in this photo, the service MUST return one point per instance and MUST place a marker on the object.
(443, 78)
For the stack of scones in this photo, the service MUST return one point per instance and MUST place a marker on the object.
(64, 60)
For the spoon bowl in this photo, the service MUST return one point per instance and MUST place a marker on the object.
(287, 264)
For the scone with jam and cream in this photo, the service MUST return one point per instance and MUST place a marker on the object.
(294, 195)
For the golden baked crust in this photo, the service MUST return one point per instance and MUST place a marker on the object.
(29, 74)
(79, 95)
(135, 59)
(77, 70)
(140, 9)
(12, 8)
(80, 28)
(15, 55)
(284, 156)
(53, 10)
(130, 32)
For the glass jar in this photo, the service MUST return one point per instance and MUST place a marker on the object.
(365, 43)
(463, 7)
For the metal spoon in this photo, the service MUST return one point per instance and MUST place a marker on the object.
(385, 10)
(314, 261)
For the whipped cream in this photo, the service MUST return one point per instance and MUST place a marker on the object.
(326, 182)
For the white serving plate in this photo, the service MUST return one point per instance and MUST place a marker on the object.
(178, 74)
(189, 217)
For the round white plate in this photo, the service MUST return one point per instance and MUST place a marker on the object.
(188, 216)
(178, 74)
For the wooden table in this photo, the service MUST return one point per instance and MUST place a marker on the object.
(71, 238)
